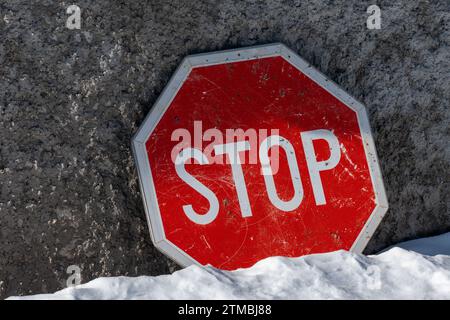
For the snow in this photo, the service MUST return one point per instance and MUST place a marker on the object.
(429, 246)
(418, 269)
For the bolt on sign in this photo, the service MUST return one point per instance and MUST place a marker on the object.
(252, 153)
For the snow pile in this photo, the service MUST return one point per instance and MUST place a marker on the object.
(418, 269)
(429, 246)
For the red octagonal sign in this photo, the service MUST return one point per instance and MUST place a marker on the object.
(252, 153)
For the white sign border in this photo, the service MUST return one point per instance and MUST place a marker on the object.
(242, 54)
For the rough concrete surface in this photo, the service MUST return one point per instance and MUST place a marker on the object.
(70, 101)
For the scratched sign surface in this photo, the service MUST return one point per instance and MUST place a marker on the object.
(207, 196)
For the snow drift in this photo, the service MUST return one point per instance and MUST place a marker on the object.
(418, 269)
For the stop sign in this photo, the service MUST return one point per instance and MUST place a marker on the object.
(252, 153)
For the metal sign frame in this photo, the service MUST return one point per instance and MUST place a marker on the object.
(242, 54)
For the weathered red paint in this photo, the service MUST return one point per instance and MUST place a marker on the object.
(267, 93)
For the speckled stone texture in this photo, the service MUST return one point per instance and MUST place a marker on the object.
(70, 101)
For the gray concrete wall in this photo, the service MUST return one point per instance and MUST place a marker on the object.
(71, 100)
